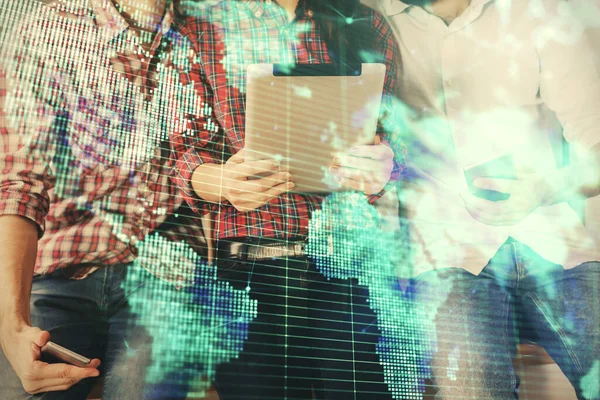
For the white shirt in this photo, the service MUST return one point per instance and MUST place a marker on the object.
(588, 11)
(483, 87)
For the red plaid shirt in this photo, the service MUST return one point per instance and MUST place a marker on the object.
(227, 38)
(83, 112)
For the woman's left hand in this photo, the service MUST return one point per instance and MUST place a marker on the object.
(365, 168)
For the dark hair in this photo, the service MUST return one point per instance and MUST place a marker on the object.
(349, 39)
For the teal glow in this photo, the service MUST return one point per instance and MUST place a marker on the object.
(347, 241)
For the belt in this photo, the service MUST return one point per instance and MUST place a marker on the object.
(250, 250)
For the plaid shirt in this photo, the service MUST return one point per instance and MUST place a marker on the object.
(82, 118)
(226, 38)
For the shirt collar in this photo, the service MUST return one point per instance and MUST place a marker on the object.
(395, 7)
(257, 7)
(111, 22)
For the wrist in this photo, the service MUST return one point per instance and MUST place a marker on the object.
(13, 323)
(207, 182)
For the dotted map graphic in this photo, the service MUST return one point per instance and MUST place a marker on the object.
(347, 241)
(195, 327)
(99, 121)
(197, 321)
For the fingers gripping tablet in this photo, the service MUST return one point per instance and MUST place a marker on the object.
(303, 116)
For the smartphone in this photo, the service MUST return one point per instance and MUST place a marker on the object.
(63, 354)
(500, 167)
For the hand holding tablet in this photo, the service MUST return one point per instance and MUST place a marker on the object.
(250, 184)
(365, 168)
(310, 116)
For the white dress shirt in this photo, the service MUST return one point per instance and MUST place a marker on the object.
(495, 81)
(588, 11)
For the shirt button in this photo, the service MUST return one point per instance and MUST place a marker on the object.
(450, 83)
(310, 13)
(134, 250)
(258, 14)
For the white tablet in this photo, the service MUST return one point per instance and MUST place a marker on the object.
(306, 115)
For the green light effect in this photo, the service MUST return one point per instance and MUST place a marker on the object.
(590, 384)
(195, 327)
(347, 241)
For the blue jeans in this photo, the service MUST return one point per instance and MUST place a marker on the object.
(313, 338)
(475, 322)
(91, 317)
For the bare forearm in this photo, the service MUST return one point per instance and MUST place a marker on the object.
(207, 182)
(18, 249)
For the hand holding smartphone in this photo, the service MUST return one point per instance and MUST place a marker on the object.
(502, 167)
(63, 354)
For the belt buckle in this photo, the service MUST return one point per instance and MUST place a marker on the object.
(267, 251)
(299, 249)
(240, 251)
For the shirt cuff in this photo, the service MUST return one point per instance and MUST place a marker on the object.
(183, 172)
(374, 197)
(29, 207)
